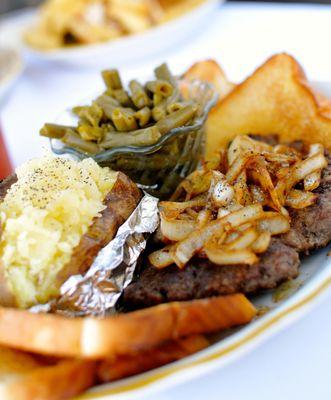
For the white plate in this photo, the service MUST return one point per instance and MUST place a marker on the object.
(123, 50)
(305, 293)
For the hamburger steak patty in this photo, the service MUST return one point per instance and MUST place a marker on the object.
(310, 229)
(311, 226)
(200, 278)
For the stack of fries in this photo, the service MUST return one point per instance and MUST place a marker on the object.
(64, 22)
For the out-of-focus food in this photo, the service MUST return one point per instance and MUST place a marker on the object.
(125, 366)
(122, 334)
(55, 217)
(30, 377)
(63, 23)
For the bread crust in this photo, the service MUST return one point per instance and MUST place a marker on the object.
(98, 338)
(24, 376)
(120, 202)
(276, 98)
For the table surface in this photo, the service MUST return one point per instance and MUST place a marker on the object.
(295, 363)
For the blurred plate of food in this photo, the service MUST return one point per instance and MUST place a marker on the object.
(92, 32)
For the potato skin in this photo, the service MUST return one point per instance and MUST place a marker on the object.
(120, 202)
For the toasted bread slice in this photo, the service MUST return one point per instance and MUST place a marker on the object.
(275, 99)
(122, 334)
(120, 202)
(26, 377)
(122, 367)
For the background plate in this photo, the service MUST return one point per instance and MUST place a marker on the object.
(119, 51)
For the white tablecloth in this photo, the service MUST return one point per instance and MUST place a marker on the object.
(296, 363)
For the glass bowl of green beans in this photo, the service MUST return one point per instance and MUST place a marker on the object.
(154, 133)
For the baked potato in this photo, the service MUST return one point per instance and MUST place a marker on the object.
(54, 221)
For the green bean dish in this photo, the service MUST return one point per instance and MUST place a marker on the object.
(143, 130)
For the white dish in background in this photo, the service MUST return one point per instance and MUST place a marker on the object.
(118, 51)
(11, 66)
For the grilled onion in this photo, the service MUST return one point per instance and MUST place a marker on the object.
(231, 257)
(226, 217)
(300, 199)
(274, 223)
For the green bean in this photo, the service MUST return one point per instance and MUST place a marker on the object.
(176, 119)
(54, 131)
(141, 137)
(123, 121)
(158, 99)
(108, 104)
(93, 114)
(143, 116)
(179, 105)
(159, 112)
(108, 127)
(118, 120)
(161, 87)
(138, 95)
(112, 79)
(122, 96)
(130, 121)
(90, 133)
(72, 139)
(162, 72)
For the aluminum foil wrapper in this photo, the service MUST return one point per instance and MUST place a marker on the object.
(97, 292)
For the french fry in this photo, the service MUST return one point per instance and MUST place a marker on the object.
(125, 366)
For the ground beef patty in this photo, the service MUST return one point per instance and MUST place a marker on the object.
(311, 226)
(310, 229)
(200, 278)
